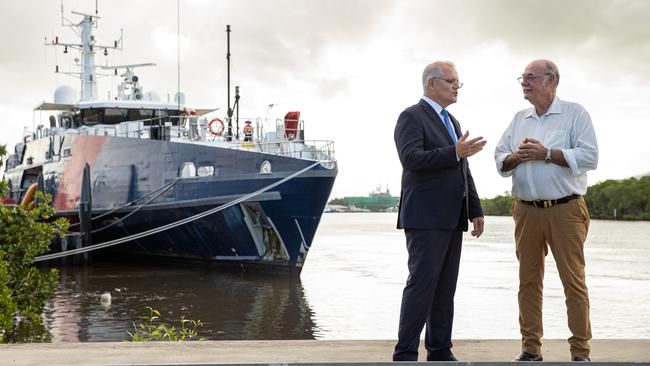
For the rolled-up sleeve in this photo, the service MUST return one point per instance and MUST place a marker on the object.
(503, 150)
(583, 154)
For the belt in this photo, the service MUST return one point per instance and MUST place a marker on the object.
(549, 203)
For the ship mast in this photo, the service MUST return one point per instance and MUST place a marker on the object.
(88, 79)
(87, 48)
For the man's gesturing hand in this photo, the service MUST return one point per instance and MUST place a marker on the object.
(466, 148)
(530, 150)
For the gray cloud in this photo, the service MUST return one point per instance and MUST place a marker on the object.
(269, 40)
(288, 36)
(275, 38)
(604, 33)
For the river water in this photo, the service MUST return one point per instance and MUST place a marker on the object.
(350, 288)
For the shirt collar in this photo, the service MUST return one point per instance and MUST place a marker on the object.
(553, 109)
(436, 107)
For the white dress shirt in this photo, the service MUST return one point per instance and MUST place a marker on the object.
(566, 126)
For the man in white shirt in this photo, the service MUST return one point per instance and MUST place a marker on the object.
(548, 150)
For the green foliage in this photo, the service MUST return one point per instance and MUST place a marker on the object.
(3, 153)
(627, 199)
(497, 206)
(338, 201)
(24, 290)
(7, 304)
(4, 189)
(148, 331)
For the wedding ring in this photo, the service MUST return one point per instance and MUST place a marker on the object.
(525, 155)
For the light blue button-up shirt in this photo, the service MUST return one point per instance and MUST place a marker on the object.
(436, 107)
(566, 126)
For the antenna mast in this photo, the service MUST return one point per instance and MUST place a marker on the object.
(236, 104)
(178, 52)
(229, 134)
(87, 46)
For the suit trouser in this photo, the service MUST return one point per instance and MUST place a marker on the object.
(428, 297)
(563, 228)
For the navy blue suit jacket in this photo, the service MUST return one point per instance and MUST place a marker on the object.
(433, 180)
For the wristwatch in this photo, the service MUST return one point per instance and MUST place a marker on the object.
(548, 159)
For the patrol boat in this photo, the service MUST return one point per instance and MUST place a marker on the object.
(135, 175)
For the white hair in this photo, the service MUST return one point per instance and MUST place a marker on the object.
(434, 70)
(551, 68)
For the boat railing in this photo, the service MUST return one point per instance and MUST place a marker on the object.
(198, 128)
(320, 150)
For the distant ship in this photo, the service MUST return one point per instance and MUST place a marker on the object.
(164, 180)
(376, 201)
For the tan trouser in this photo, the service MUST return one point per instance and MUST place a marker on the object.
(563, 228)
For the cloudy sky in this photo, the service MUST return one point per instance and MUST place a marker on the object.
(351, 67)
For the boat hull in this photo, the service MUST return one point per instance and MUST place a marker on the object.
(273, 228)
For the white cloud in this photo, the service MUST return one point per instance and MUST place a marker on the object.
(351, 67)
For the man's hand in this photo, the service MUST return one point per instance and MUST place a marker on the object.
(530, 150)
(466, 148)
(479, 224)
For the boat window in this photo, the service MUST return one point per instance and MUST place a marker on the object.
(76, 120)
(205, 171)
(91, 116)
(66, 122)
(140, 114)
(166, 116)
(113, 116)
(188, 170)
(265, 168)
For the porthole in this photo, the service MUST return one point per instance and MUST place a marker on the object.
(265, 168)
(205, 171)
(188, 170)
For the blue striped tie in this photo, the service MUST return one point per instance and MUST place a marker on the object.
(450, 128)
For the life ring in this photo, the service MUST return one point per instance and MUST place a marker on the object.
(29, 196)
(219, 129)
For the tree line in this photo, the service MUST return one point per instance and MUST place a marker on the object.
(627, 199)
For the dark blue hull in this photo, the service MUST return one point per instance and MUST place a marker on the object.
(274, 228)
(283, 239)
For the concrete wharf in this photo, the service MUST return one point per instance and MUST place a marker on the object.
(297, 352)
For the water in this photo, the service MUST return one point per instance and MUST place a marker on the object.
(351, 288)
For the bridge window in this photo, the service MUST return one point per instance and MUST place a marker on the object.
(140, 114)
(164, 115)
(91, 116)
(113, 116)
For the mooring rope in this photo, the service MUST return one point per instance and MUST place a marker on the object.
(164, 187)
(121, 219)
(173, 224)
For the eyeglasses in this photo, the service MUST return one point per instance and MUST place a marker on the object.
(530, 77)
(452, 82)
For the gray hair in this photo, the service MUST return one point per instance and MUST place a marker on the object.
(551, 68)
(434, 70)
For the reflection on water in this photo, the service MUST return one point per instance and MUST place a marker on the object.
(231, 305)
(351, 288)
(365, 256)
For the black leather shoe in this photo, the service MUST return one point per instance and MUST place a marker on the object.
(580, 359)
(442, 357)
(525, 356)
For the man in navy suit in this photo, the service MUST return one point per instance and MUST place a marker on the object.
(438, 198)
